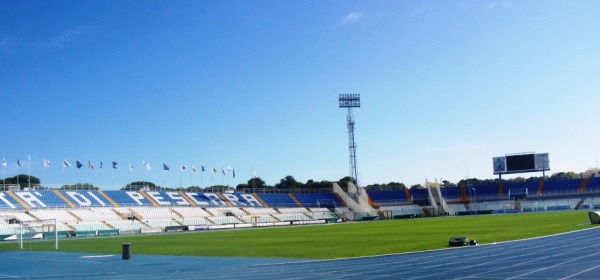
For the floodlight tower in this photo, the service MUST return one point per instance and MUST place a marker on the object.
(351, 100)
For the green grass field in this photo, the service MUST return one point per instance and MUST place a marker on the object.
(333, 240)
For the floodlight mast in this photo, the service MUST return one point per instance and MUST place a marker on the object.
(351, 100)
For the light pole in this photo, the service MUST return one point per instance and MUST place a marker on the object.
(474, 199)
(351, 101)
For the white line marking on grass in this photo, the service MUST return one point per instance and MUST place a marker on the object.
(98, 256)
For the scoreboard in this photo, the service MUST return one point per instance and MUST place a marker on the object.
(521, 163)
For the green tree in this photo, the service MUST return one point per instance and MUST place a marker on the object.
(288, 183)
(137, 185)
(416, 187)
(23, 180)
(79, 186)
(257, 183)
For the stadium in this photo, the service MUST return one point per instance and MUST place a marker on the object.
(133, 132)
(71, 217)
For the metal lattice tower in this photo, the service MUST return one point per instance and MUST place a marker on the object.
(351, 101)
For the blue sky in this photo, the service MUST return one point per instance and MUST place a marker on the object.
(445, 86)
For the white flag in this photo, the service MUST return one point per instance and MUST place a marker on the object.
(3, 162)
(182, 167)
(66, 163)
(130, 166)
(46, 163)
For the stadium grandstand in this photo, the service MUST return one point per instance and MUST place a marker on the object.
(85, 213)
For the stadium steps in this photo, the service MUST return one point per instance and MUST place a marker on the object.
(578, 206)
(374, 205)
(463, 194)
(408, 196)
(145, 195)
(341, 201)
(119, 214)
(19, 200)
(426, 212)
(188, 199)
(108, 199)
(75, 216)
(61, 196)
(540, 188)
(295, 200)
(260, 200)
(177, 214)
(224, 199)
(136, 215)
(585, 183)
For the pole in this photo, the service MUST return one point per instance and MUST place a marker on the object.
(21, 236)
(29, 172)
(55, 235)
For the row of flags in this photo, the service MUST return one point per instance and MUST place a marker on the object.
(146, 165)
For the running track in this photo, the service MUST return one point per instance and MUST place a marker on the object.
(568, 256)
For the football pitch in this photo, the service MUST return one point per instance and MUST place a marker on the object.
(330, 241)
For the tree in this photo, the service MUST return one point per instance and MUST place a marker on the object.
(241, 187)
(22, 180)
(416, 187)
(311, 184)
(137, 185)
(193, 189)
(256, 183)
(79, 186)
(288, 183)
(344, 182)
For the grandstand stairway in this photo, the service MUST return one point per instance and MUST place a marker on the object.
(146, 196)
(188, 199)
(220, 195)
(57, 192)
(264, 204)
(19, 200)
(114, 204)
(408, 196)
(339, 198)
(295, 200)
(584, 184)
(540, 188)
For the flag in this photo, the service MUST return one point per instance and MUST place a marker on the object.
(148, 168)
(165, 167)
(223, 171)
(3, 162)
(78, 164)
(19, 163)
(66, 163)
(130, 167)
(90, 165)
(182, 167)
(114, 165)
(233, 170)
(46, 163)
(101, 165)
(193, 168)
(214, 170)
(203, 169)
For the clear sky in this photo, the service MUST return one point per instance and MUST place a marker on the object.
(253, 85)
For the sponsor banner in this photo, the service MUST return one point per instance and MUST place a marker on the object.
(198, 227)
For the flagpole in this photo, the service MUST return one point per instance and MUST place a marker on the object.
(19, 164)
(4, 174)
(29, 172)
